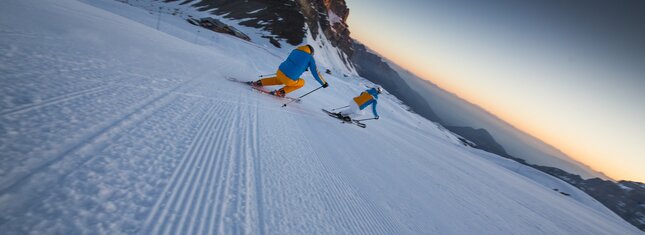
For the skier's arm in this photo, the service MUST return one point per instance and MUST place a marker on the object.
(314, 71)
(374, 109)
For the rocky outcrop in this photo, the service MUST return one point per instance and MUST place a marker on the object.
(330, 16)
(335, 27)
(481, 138)
(280, 18)
(218, 26)
(286, 20)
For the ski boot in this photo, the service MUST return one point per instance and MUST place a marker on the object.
(344, 118)
(257, 83)
(278, 93)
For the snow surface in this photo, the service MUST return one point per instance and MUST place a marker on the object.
(110, 126)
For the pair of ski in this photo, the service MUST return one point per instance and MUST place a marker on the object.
(344, 120)
(262, 89)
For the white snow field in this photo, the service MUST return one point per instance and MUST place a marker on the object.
(110, 126)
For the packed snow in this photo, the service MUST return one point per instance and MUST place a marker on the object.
(112, 125)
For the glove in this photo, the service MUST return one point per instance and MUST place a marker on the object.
(325, 85)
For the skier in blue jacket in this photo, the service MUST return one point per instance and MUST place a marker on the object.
(356, 106)
(291, 69)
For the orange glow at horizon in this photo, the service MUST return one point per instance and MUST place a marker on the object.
(550, 137)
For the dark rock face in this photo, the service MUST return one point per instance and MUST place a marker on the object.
(338, 31)
(482, 139)
(280, 18)
(218, 26)
(285, 19)
(318, 15)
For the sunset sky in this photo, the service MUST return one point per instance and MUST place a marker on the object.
(570, 73)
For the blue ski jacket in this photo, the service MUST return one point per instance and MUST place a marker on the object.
(366, 98)
(298, 61)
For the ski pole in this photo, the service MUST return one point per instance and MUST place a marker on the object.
(266, 75)
(285, 105)
(365, 119)
(340, 107)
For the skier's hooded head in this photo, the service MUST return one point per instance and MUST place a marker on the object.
(307, 48)
(374, 92)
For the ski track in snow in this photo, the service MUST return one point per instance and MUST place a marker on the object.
(95, 139)
(210, 175)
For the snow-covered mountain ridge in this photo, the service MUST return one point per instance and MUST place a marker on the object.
(113, 123)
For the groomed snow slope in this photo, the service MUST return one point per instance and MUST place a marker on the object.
(109, 126)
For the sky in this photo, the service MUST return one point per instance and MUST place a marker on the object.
(571, 73)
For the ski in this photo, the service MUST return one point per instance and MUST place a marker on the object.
(261, 89)
(337, 116)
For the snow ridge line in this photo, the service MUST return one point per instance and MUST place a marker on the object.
(154, 215)
(215, 164)
(205, 202)
(257, 171)
(228, 191)
(38, 179)
(157, 217)
(208, 181)
(222, 193)
(244, 186)
(54, 100)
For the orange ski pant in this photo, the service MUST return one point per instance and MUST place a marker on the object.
(282, 79)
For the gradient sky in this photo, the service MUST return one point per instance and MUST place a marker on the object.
(570, 73)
